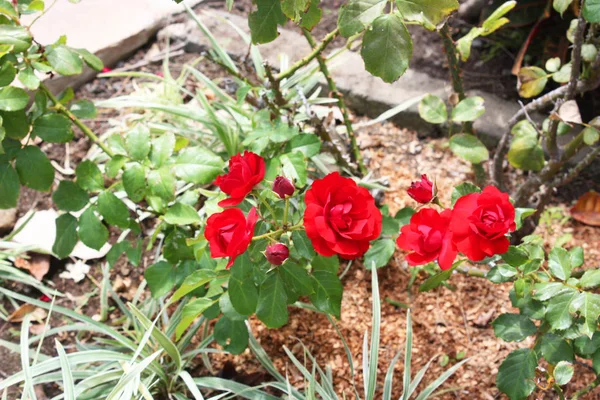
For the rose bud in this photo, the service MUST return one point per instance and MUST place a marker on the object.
(422, 191)
(277, 253)
(283, 187)
(45, 298)
(105, 70)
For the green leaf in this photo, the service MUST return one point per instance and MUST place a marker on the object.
(588, 306)
(13, 98)
(513, 327)
(15, 123)
(9, 186)
(428, 13)
(91, 60)
(559, 263)
(516, 374)
(558, 313)
(501, 273)
(294, 167)
(161, 183)
(389, 226)
(590, 136)
(34, 169)
(69, 196)
(296, 279)
(190, 312)
(520, 214)
(436, 280)
(312, 16)
(89, 176)
(532, 81)
(199, 278)
(591, 11)
(181, 214)
(160, 278)
(546, 290)
(114, 211)
(563, 372)
(590, 279)
(469, 148)
(197, 165)
(92, 231)
(134, 182)
(242, 292)
(53, 128)
(328, 292)
(526, 153)
(468, 109)
(64, 60)
(433, 109)
(563, 75)
(303, 245)
(17, 36)
(8, 9)
(66, 235)
(462, 190)
(137, 142)
(232, 335)
(357, 15)
(84, 109)
(293, 9)
(387, 48)
(561, 5)
(515, 256)
(553, 64)
(404, 215)
(176, 248)
(114, 165)
(307, 144)
(29, 79)
(555, 349)
(589, 52)
(329, 264)
(576, 257)
(263, 22)
(162, 149)
(272, 302)
(380, 253)
(7, 74)
(228, 310)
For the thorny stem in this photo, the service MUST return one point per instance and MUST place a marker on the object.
(65, 111)
(279, 99)
(316, 51)
(285, 211)
(356, 156)
(278, 232)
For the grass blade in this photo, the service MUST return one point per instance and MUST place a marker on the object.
(28, 392)
(67, 375)
(375, 330)
(134, 373)
(441, 379)
(407, 357)
(189, 382)
(389, 377)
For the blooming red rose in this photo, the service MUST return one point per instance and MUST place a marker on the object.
(283, 187)
(480, 222)
(245, 172)
(229, 233)
(340, 217)
(421, 191)
(277, 253)
(428, 238)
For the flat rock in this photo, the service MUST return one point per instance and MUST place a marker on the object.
(112, 29)
(7, 219)
(365, 94)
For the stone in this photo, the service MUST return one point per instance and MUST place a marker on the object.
(7, 219)
(364, 93)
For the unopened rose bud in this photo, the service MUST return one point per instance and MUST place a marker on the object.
(277, 253)
(45, 298)
(422, 191)
(283, 187)
(105, 70)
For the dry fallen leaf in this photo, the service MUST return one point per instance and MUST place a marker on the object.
(569, 112)
(23, 310)
(587, 209)
(38, 265)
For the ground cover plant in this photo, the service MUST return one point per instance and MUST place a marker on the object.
(252, 199)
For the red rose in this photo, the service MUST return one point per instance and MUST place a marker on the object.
(283, 187)
(340, 217)
(421, 191)
(245, 172)
(229, 233)
(428, 238)
(277, 253)
(480, 222)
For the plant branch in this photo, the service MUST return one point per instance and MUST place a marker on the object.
(60, 108)
(311, 56)
(573, 172)
(356, 156)
(551, 143)
(576, 57)
(586, 389)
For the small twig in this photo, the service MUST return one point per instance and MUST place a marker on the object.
(355, 156)
(576, 57)
(573, 172)
(279, 99)
(84, 128)
(316, 51)
(551, 142)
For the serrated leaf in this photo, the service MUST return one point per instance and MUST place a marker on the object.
(161, 183)
(84, 109)
(90, 59)
(312, 16)
(296, 279)
(469, 148)
(34, 169)
(563, 372)
(17, 36)
(428, 13)
(588, 306)
(13, 98)
(89, 176)
(303, 245)
(516, 374)
(559, 263)
(272, 302)
(387, 48)
(462, 190)
(92, 231)
(328, 292)
(263, 22)
(294, 167)
(53, 128)
(162, 149)
(307, 144)
(232, 335)
(380, 253)
(64, 60)
(513, 327)
(555, 349)
(69, 196)
(357, 15)
(190, 312)
(433, 109)
(591, 11)
(468, 109)
(9, 186)
(114, 211)
(526, 153)
(160, 278)
(242, 292)
(532, 81)
(294, 9)
(66, 235)
(134, 182)
(137, 142)
(558, 313)
(198, 166)
(181, 214)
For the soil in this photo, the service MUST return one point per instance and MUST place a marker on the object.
(449, 321)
